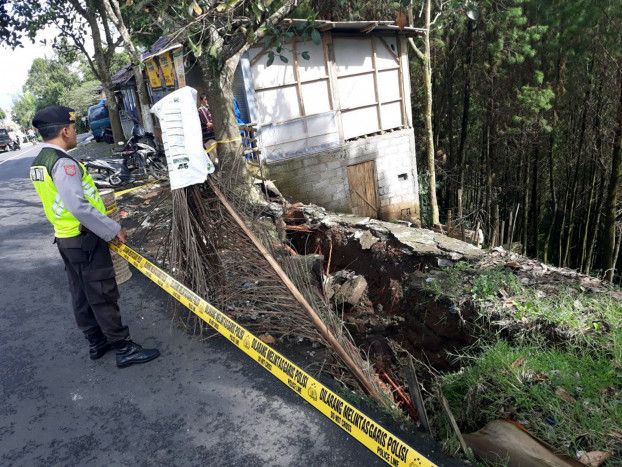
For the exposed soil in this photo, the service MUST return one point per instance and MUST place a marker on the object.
(394, 307)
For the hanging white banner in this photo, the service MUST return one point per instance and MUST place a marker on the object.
(186, 158)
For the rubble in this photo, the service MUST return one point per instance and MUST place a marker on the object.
(351, 290)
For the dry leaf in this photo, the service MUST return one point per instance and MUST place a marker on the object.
(267, 338)
(512, 265)
(561, 392)
(594, 458)
(518, 362)
(401, 20)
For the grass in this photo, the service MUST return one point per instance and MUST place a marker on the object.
(547, 357)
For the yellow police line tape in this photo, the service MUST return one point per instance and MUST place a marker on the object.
(121, 193)
(223, 141)
(111, 208)
(377, 439)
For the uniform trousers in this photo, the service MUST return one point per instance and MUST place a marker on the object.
(93, 286)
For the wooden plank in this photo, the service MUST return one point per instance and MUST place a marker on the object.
(376, 83)
(358, 73)
(256, 58)
(401, 45)
(388, 47)
(298, 83)
(331, 70)
(415, 394)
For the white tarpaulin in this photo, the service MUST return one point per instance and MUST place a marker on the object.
(186, 158)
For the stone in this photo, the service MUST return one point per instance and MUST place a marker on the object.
(351, 291)
(366, 239)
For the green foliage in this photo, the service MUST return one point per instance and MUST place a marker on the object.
(350, 10)
(2, 114)
(535, 345)
(524, 384)
(24, 109)
(48, 79)
(81, 97)
(491, 281)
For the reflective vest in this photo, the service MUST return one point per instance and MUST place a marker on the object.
(65, 224)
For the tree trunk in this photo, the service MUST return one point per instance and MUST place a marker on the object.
(535, 218)
(111, 100)
(143, 98)
(595, 227)
(588, 218)
(616, 253)
(545, 248)
(525, 201)
(609, 234)
(113, 11)
(466, 104)
(427, 78)
(219, 90)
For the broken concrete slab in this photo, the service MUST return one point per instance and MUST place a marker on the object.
(415, 240)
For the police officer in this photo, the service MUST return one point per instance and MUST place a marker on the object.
(73, 205)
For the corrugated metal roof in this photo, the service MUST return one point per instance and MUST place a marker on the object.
(163, 44)
(364, 27)
(123, 75)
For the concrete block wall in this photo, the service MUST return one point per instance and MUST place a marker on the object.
(321, 178)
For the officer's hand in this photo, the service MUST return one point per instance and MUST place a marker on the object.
(120, 237)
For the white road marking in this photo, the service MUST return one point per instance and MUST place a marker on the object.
(18, 154)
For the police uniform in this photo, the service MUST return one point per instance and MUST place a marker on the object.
(74, 207)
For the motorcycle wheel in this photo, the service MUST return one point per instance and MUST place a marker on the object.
(157, 169)
(104, 178)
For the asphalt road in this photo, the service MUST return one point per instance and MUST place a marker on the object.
(200, 403)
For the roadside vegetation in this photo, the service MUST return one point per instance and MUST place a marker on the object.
(548, 356)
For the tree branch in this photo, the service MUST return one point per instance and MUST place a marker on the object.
(416, 49)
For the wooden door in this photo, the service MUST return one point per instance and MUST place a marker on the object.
(363, 192)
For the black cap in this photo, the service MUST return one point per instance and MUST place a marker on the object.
(54, 115)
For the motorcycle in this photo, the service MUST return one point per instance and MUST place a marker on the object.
(15, 145)
(134, 162)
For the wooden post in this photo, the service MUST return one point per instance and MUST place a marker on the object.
(476, 234)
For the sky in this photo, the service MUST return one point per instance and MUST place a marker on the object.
(15, 65)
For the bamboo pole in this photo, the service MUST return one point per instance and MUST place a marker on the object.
(463, 236)
(510, 227)
(315, 319)
(514, 225)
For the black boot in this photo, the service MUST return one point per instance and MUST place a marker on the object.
(98, 344)
(129, 352)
